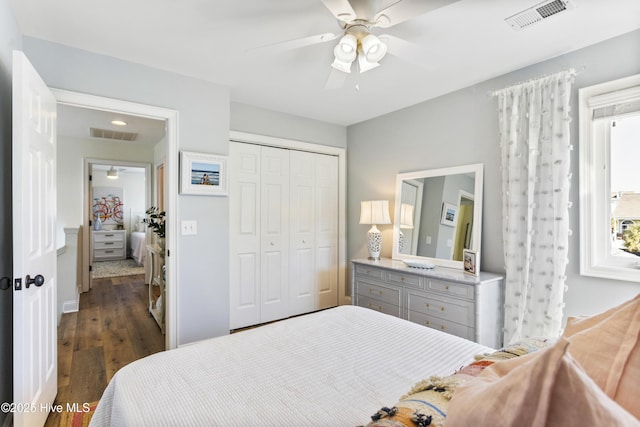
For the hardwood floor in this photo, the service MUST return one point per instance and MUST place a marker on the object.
(112, 328)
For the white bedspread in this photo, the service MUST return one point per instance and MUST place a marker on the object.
(138, 246)
(331, 368)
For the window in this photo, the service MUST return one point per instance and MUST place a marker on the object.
(609, 178)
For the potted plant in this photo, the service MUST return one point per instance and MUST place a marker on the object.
(155, 220)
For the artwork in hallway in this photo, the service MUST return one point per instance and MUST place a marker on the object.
(108, 205)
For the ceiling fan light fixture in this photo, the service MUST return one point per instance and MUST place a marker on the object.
(364, 64)
(343, 66)
(374, 49)
(112, 173)
(345, 50)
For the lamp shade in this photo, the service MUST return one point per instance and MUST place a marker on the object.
(345, 50)
(375, 212)
(406, 215)
(373, 48)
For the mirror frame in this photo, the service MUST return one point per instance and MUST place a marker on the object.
(478, 169)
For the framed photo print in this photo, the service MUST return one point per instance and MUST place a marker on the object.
(471, 262)
(449, 214)
(203, 174)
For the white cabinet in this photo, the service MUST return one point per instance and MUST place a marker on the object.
(109, 245)
(440, 298)
(284, 234)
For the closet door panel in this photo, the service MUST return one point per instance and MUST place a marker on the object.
(327, 230)
(244, 246)
(274, 239)
(302, 278)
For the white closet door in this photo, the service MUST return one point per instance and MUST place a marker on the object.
(302, 278)
(327, 230)
(244, 246)
(314, 232)
(274, 238)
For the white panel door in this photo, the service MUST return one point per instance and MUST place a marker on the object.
(326, 181)
(274, 238)
(34, 249)
(244, 243)
(302, 279)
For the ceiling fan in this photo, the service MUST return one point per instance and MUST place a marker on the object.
(357, 20)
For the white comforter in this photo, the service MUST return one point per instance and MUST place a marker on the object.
(331, 368)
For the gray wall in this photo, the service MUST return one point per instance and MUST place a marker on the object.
(9, 39)
(462, 128)
(247, 118)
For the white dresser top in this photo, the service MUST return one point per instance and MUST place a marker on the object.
(437, 272)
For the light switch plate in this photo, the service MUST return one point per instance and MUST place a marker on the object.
(189, 228)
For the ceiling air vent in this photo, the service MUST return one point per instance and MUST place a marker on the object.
(113, 134)
(537, 13)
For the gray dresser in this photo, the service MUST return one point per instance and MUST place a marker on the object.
(441, 298)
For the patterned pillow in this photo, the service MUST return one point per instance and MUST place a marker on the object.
(427, 403)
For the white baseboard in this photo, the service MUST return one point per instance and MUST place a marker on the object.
(69, 306)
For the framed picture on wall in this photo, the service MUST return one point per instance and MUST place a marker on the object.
(203, 174)
(471, 262)
(449, 214)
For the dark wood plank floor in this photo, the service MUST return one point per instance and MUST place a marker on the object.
(112, 328)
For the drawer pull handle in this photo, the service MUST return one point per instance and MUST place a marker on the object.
(427, 305)
(402, 279)
(446, 287)
(108, 252)
(441, 308)
(109, 243)
(108, 235)
(379, 308)
(427, 323)
(442, 327)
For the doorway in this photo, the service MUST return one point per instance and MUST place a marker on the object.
(170, 117)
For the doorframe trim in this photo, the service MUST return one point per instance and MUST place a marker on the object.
(341, 153)
(170, 117)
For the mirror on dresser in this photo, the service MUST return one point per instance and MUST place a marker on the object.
(438, 213)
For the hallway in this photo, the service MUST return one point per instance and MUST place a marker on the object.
(112, 328)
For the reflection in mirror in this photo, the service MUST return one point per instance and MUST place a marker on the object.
(438, 214)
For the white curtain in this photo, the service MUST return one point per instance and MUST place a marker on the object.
(534, 137)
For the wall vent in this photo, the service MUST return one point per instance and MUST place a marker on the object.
(537, 13)
(113, 134)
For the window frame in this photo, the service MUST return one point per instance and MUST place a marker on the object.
(595, 210)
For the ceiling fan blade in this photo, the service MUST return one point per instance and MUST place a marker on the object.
(341, 9)
(335, 80)
(403, 10)
(296, 43)
(408, 51)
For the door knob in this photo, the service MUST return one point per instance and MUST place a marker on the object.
(38, 280)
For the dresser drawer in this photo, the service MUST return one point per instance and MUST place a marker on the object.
(377, 305)
(405, 279)
(118, 244)
(117, 236)
(378, 292)
(365, 271)
(453, 328)
(450, 309)
(103, 254)
(449, 288)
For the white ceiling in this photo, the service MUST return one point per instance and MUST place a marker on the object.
(465, 43)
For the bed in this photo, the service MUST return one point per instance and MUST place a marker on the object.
(350, 366)
(334, 367)
(138, 246)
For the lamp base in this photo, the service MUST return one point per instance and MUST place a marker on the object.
(371, 258)
(374, 242)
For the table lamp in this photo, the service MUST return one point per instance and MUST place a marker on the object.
(374, 212)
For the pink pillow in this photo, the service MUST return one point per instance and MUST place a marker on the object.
(547, 388)
(607, 347)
